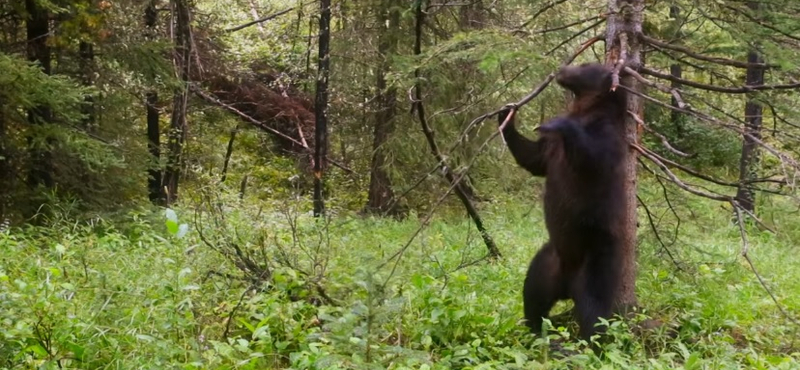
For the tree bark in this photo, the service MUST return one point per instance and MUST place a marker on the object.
(749, 160)
(321, 104)
(381, 198)
(38, 30)
(625, 23)
(178, 126)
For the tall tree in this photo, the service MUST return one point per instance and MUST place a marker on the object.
(155, 189)
(178, 126)
(380, 198)
(676, 70)
(6, 183)
(753, 111)
(38, 35)
(623, 46)
(321, 104)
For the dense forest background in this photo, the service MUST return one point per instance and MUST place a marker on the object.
(321, 184)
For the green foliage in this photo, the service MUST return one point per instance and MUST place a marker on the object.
(133, 297)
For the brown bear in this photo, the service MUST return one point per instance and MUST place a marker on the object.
(582, 156)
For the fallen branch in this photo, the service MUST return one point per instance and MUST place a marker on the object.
(213, 100)
(447, 172)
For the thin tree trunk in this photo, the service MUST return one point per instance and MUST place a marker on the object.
(676, 70)
(86, 52)
(178, 126)
(38, 30)
(321, 105)
(228, 154)
(154, 181)
(748, 162)
(457, 183)
(254, 13)
(381, 198)
(155, 189)
(625, 23)
(6, 179)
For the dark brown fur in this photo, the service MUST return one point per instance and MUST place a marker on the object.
(581, 154)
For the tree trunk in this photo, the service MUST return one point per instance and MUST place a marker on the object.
(229, 153)
(155, 190)
(177, 134)
(86, 52)
(472, 16)
(321, 104)
(38, 30)
(381, 198)
(254, 13)
(154, 182)
(625, 19)
(6, 179)
(676, 70)
(748, 162)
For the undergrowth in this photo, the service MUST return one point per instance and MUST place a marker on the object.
(150, 293)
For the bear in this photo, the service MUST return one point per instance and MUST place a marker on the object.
(582, 155)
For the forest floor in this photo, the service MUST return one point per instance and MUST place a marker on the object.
(148, 293)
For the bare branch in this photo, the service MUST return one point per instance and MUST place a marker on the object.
(620, 64)
(663, 138)
(261, 20)
(575, 35)
(657, 234)
(658, 44)
(745, 248)
(722, 89)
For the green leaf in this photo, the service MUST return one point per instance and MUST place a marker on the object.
(172, 227)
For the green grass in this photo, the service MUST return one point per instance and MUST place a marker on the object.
(131, 295)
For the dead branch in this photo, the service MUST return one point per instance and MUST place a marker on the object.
(257, 21)
(688, 110)
(660, 87)
(745, 249)
(558, 28)
(763, 24)
(702, 176)
(447, 172)
(721, 89)
(676, 180)
(657, 234)
(658, 44)
(539, 12)
(576, 35)
(620, 64)
(663, 138)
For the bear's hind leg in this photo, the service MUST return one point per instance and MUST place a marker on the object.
(543, 287)
(594, 293)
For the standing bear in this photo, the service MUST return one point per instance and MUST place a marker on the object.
(582, 156)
